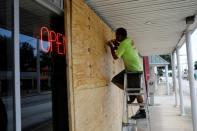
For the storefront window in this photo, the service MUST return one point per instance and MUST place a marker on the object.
(42, 67)
(42, 41)
(6, 66)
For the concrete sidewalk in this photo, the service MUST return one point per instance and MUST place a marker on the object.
(165, 116)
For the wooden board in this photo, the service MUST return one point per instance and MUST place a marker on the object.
(97, 104)
(91, 59)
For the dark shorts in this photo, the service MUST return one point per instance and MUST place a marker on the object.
(134, 81)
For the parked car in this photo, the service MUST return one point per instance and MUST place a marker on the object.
(185, 75)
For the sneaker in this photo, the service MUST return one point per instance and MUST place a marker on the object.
(141, 114)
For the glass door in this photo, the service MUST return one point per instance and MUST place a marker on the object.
(6, 66)
(43, 68)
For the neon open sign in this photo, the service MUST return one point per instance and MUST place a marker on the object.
(51, 41)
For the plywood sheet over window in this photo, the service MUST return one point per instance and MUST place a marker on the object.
(92, 64)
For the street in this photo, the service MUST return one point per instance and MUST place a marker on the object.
(34, 110)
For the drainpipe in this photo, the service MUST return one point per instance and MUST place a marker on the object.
(180, 82)
(191, 79)
(167, 80)
(174, 78)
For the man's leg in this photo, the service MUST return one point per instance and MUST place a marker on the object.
(141, 113)
(140, 100)
(136, 82)
(119, 85)
(118, 80)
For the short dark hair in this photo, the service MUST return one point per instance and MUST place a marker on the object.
(122, 31)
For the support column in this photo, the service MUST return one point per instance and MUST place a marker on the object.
(174, 78)
(167, 80)
(180, 82)
(156, 78)
(191, 79)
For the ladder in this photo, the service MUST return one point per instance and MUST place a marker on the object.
(126, 121)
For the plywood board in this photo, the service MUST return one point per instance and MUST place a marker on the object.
(98, 109)
(90, 56)
(97, 102)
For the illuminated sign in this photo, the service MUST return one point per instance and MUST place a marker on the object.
(50, 41)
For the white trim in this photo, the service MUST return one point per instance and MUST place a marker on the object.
(17, 99)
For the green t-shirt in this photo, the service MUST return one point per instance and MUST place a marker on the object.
(130, 56)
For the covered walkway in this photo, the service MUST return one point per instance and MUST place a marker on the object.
(159, 27)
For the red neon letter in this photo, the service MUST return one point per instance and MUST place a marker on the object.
(42, 30)
(60, 43)
(52, 38)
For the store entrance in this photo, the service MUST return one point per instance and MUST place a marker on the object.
(42, 68)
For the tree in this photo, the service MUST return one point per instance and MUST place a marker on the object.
(27, 59)
(195, 65)
(5, 52)
(160, 71)
(45, 59)
(168, 59)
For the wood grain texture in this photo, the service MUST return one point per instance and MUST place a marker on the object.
(98, 109)
(97, 102)
(90, 57)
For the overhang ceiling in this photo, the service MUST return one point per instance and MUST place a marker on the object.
(155, 25)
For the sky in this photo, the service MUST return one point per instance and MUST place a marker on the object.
(194, 45)
(24, 38)
(183, 58)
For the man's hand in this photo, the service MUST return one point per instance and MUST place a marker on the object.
(113, 48)
(109, 43)
(116, 43)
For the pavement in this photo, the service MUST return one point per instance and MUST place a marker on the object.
(36, 111)
(164, 116)
(47, 126)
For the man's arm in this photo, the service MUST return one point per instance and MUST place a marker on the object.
(133, 44)
(112, 50)
(140, 55)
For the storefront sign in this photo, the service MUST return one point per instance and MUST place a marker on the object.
(51, 41)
